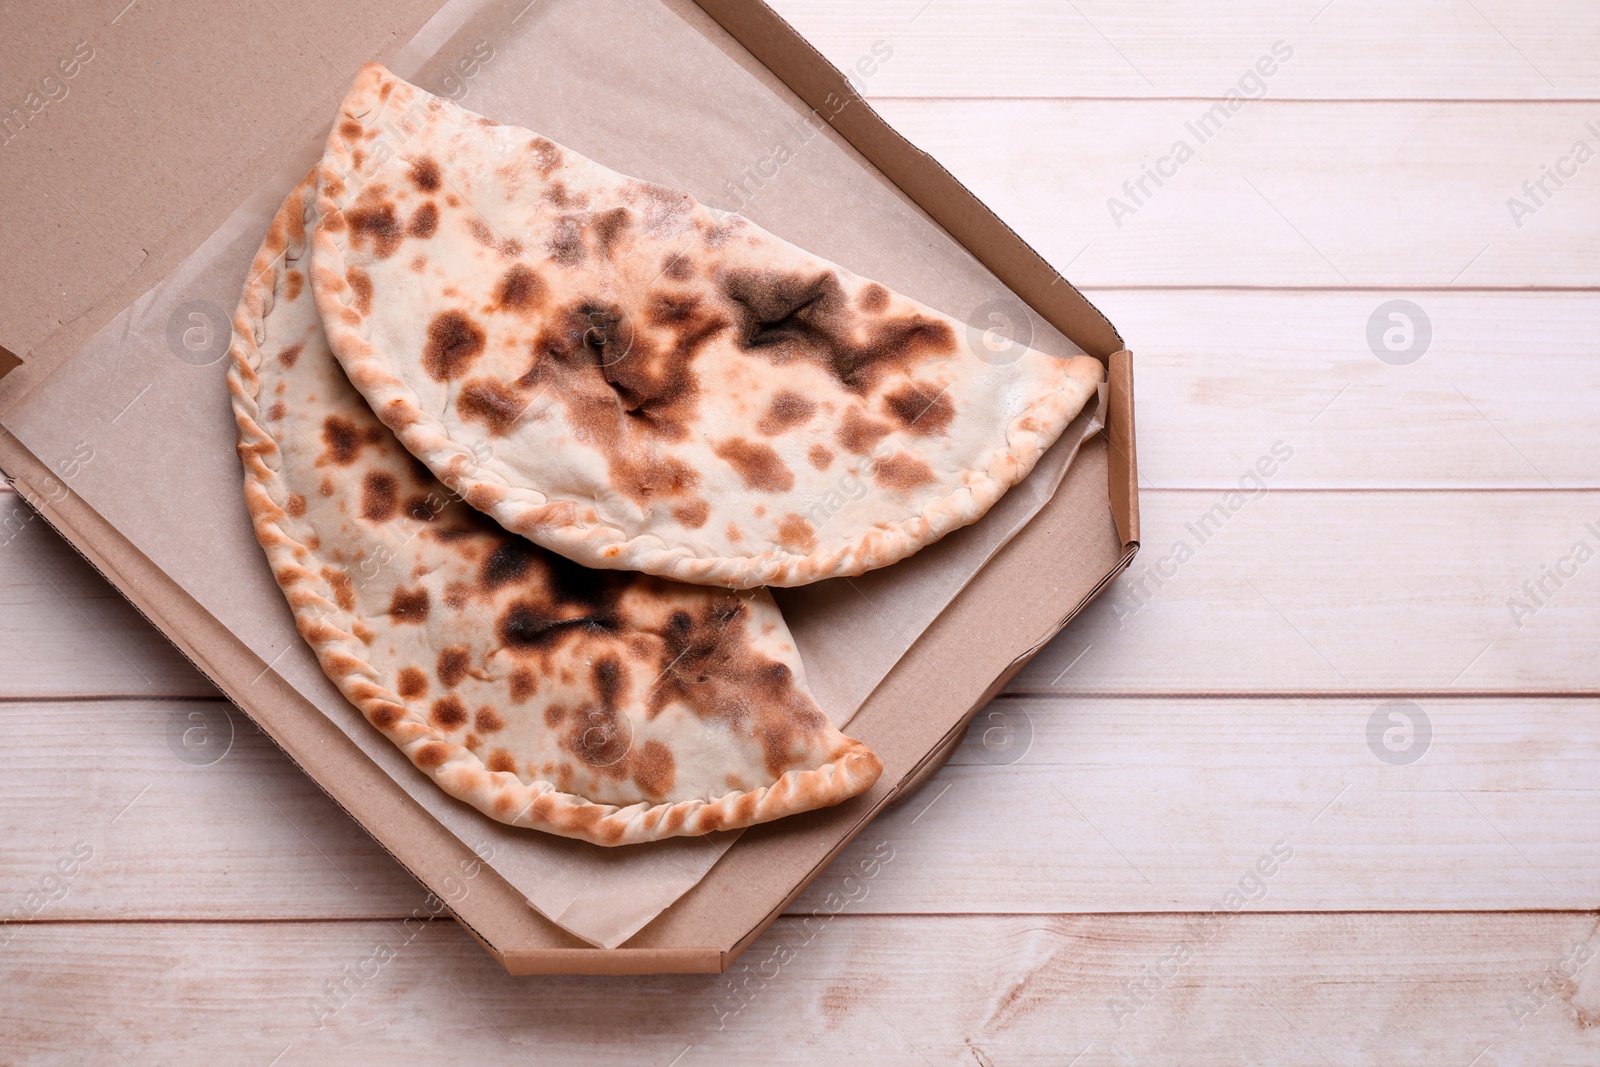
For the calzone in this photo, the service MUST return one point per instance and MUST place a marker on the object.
(639, 382)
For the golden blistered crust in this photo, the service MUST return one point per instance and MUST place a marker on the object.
(638, 382)
(611, 707)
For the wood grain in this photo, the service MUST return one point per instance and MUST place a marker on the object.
(1360, 50)
(189, 812)
(66, 632)
(1099, 804)
(1502, 397)
(1312, 593)
(1283, 595)
(1287, 194)
(1289, 989)
(1052, 805)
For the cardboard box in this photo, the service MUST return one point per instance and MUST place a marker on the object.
(1080, 540)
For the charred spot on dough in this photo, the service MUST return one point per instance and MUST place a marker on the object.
(344, 590)
(378, 222)
(546, 156)
(289, 355)
(325, 487)
(423, 508)
(454, 663)
(693, 514)
(777, 309)
(873, 298)
(654, 768)
(857, 433)
(524, 683)
(820, 456)
(454, 341)
(655, 477)
(558, 195)
(678, 268)
(920, 408)
(295, 505)
(609, 228)
(565, 245)
(707, 662)
(509, 562)
(425, 174)
(553, 715)
(380, 496)
(350, 129)
(432, 754)
(412, 683)
(424, 221)
(293, 282)
(487, 401)
(519, 289)
(506, 246)
(716, 234)
(788, 410)
(385, 715)
(786, 316)
(796, 534)
(410, 605)
(600, 736)
(275, 412)
(343, 441)
(501, 760)
(361, 286)
(357, 158)
(527, 626)
(448, 713)
(734, 535)
(487, 720)
(664, 209)
(759, 466)
(901, 472)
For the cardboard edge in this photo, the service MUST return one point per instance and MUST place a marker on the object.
(8, 362)
(1122, 460)
(935, 760)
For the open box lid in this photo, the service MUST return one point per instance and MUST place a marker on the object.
(1081, 539)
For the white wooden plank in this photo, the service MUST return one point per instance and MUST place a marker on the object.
(66, 632)
(1086, 805)
(1355, 49)
(1374, 195)
(1292, 989)
(1331, 592)
(1107, 805)
(183, 810)
(1502, 397)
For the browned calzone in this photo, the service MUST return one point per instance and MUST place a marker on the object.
(593, 704)
(639, 382)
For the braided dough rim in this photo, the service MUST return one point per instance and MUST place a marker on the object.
(533, 514)
(461, 774)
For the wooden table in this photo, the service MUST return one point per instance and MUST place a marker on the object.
(1315, 783)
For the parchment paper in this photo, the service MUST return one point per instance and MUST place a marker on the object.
(651, 88)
